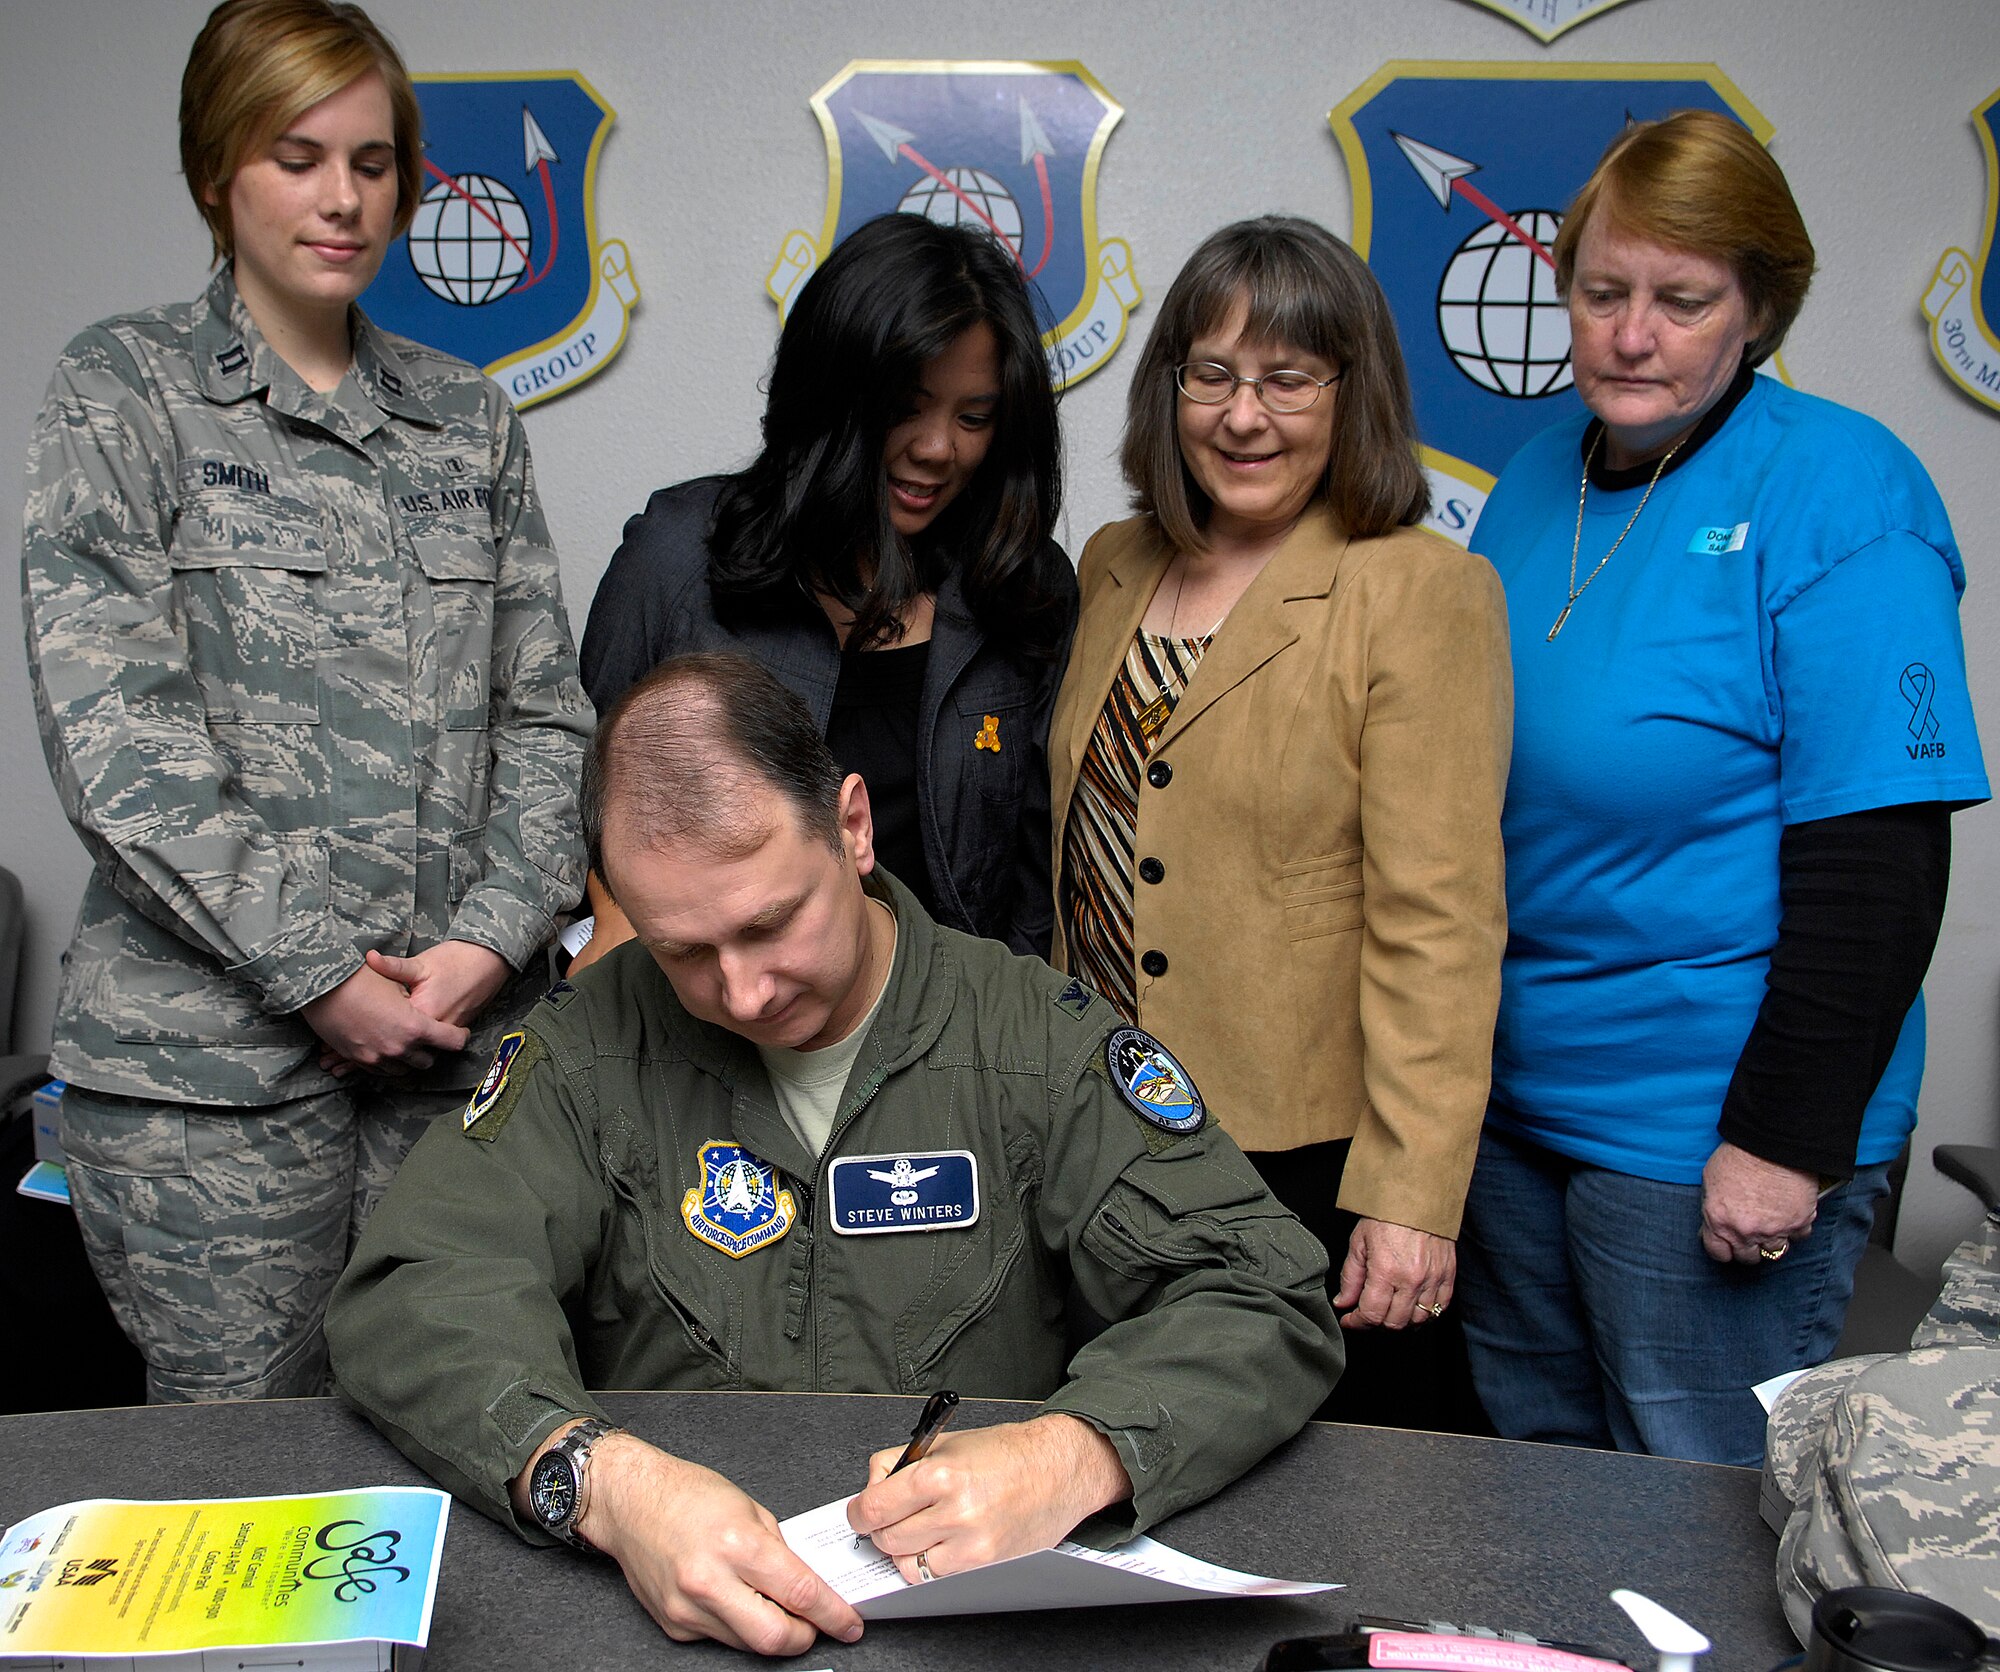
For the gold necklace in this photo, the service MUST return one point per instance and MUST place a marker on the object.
(1180, 581)
(1576, 541)
(1152, 719)
(1174, 620)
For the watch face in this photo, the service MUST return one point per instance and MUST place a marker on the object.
(552, 1490)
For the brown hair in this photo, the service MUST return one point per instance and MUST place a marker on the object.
(1306, 290)
(681, 752)
(1698, 181)
(258, 64)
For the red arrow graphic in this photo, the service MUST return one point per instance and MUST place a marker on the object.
(896, 142)
(1035, 148)
(539, 154)
(1445, 176)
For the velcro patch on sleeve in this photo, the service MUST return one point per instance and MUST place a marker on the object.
(508, 1073)
(1074, 1000)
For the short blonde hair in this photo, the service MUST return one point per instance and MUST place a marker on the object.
(1698, 181)
(257, 65)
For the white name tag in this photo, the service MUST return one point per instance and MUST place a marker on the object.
(1716, 542)
(874, 1195)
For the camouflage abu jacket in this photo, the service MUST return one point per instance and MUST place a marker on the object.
(625, 1207)
(1884, 1469)
(304, 682)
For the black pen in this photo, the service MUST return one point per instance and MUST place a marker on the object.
(937, 1412)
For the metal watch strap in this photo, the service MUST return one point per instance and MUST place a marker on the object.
(576, 1446)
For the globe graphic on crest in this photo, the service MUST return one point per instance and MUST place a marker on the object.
(1498, 311)
(978, 200)
(457, 243)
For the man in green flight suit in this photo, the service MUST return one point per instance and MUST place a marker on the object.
(837, 1148)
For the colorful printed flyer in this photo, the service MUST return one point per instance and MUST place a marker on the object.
(349, 1574)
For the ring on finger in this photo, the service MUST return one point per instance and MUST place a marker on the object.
(1432, 1307)
(1774, 1251)
(924, 1566)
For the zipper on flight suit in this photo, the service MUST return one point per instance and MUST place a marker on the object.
(802, 1306)
(979, 1305)
(974, 1310)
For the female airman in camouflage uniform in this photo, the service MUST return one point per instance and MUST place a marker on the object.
(309, 698)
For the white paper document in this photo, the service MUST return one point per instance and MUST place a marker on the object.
(1069, 1576)
(1767, 1392)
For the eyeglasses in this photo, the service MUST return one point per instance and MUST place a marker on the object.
(1207, 384)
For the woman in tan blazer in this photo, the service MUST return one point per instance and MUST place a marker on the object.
(1278, 759)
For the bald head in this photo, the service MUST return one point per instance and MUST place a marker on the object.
(683, 756)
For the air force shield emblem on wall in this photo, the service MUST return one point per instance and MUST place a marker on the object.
(1461, 173)
(1012, 147)
(1546, 19)
(502, 265)
(1963, 301)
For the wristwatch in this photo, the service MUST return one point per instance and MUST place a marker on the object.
(559, 1489)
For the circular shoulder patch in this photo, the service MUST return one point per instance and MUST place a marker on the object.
(1156, 1087)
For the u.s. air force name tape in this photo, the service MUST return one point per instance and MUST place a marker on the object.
(872, 1195)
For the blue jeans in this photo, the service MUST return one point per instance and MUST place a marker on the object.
(1594, 1318)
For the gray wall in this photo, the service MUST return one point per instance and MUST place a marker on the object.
(715, 157)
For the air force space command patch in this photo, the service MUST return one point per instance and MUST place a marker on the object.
(1155, 1087)
(872, 1195)
(738, 1206)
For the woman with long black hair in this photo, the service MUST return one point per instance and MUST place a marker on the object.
(888, 555)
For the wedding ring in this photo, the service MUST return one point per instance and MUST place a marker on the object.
(1435, 1311)
(1777, 1253)
(924, 1566)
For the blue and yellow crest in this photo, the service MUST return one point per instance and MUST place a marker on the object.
(1013, 147)
(1963, 299)
(738, 1206)
(1461, 173)
(495, 1080)
(502, 265)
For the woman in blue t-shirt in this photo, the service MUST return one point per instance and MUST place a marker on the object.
(1741, 722)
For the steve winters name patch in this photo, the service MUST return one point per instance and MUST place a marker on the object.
(877, 1194)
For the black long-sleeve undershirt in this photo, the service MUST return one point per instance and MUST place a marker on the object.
(1862, 897)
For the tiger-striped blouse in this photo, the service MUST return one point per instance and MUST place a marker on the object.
(1099, 834)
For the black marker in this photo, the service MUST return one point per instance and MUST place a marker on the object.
(937, 1412)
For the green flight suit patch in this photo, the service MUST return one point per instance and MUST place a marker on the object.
(494, 1101)
(1074, 1000)
(1158, 1142)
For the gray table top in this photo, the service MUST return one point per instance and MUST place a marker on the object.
(1420, 1526)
